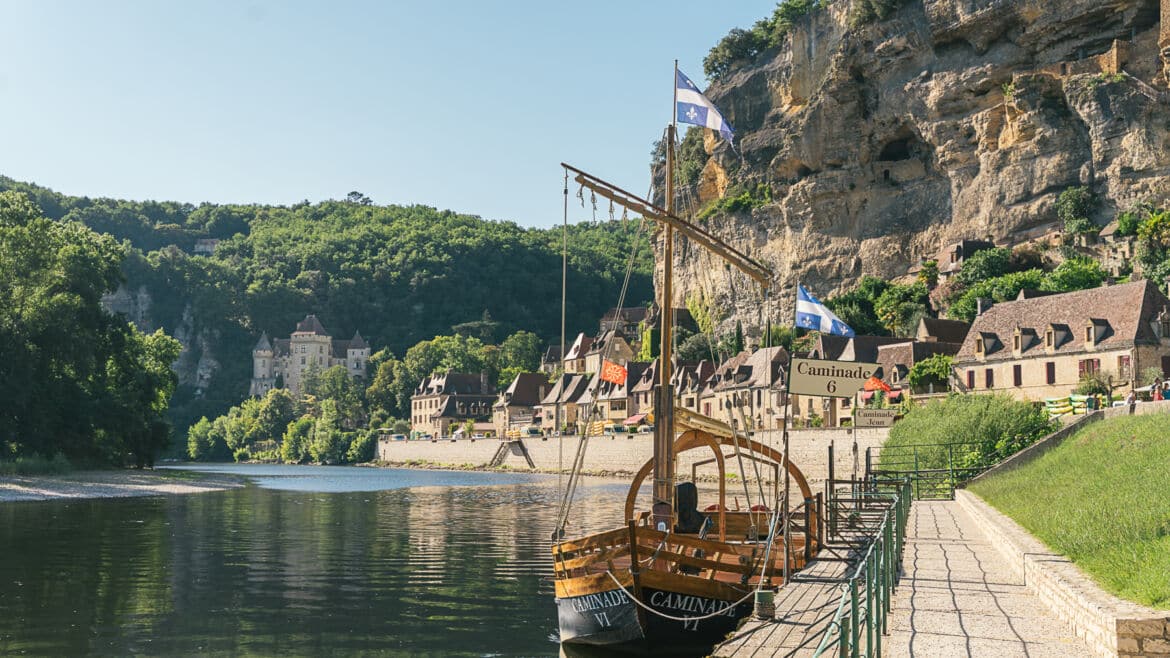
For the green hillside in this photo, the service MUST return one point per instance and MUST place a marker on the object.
(398, 274)
(1102, 498)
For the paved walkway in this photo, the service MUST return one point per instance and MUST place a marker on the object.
(957, 598)
(803, 610)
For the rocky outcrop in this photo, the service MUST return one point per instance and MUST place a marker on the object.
(951, 119)
(196, 363)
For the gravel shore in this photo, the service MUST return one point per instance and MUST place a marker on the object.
(113, 484)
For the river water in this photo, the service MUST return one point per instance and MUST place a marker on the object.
(306, 561)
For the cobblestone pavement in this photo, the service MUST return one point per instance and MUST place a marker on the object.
(957, 598)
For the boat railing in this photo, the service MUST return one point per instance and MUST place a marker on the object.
(733, 562)
(859, 622)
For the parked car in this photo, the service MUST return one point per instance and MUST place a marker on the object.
(425, 437)
(397, 437)
(479, 435)
(646, 429)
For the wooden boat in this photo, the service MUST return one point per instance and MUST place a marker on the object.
(671, 578)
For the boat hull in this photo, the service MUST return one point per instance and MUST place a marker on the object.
(611, 620)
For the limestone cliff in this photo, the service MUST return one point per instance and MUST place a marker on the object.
(196, 363)
(880, 143)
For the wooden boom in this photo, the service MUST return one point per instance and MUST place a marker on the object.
(745, 264)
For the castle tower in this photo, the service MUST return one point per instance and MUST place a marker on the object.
(310, 346)
(356, 356)
(262, 367)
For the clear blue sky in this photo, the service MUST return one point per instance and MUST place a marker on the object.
(461, 105)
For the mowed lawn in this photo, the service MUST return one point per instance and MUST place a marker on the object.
(1102, 498)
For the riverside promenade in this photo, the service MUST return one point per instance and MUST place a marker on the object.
(958, 597)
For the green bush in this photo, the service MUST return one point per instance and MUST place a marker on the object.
(1074, 207)
(990, 428)
(741, 46)
(36, 465)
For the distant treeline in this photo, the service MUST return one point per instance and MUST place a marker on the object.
(399, 274)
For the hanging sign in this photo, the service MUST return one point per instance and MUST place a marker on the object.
(874, 417)
(830, 379)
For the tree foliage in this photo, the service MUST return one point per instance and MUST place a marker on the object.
(77, 380)
(934, 369)
(1074, 207)
(742, 46)
(992, 427)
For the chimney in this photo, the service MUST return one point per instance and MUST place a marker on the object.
(982, 304)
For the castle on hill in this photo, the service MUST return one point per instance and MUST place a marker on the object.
(310, 346)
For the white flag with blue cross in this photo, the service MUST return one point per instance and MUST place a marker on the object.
(812, 314)
(692, 107)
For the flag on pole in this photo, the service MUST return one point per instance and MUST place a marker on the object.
(692, 107)
(812, 314)
(612, 373)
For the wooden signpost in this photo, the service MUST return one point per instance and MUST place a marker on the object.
(874, 417)
(829, 379)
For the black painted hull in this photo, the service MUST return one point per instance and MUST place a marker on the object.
(611, 621)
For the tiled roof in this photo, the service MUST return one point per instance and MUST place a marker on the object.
(311, 325)
(580, 347)
(1121, 314)
(603, 341)
(525, 390)
(263, 344)
(280, 346)
(901, 357)
(764, 368)
(858, 348)
(357, 342)
(566, 389)
(726, 371)
(450, 383)
(943, 331)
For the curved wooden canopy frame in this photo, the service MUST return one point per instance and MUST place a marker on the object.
(694, 439)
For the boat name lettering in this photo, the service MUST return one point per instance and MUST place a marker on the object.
(597, 601)
(692, 604)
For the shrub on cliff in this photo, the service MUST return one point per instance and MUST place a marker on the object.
(742, 46)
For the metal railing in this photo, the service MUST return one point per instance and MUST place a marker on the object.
(935, 470)
(860, 618)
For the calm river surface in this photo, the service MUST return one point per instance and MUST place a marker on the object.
(309, 561)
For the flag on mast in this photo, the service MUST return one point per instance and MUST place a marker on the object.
(812, 314)
(691, 106)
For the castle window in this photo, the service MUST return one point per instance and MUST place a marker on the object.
(1017, 375)
(302, 360)
(1050, 372)
(989, 378)
(1016, 341)
(1089, 334)
(1088, 367)
(970, 380)
(1165, 326)
(1049, 339)
(979, 346)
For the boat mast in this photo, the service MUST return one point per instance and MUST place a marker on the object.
(664, 396)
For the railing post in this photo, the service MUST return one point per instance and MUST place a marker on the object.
(855, 630)
(831, 495)
(809, 520)
(951, 470)
(868, 463)
(917, 480)
(869, 600)
(843, 641)
(820, 522)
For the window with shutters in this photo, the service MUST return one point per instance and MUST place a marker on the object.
(1123, 366)
(989, 378)
(1050, 372)
(970, 380)
(1017, 375)
(1088, 367)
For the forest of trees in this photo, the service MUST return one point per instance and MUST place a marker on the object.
(399, 274)
(77, 383)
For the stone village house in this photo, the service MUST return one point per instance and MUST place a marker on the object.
(1039, 347)
(310, 346)
(519, 405)
(687, 377)
(444, 402)
(748, 390)
(566, 392)
(612, 402)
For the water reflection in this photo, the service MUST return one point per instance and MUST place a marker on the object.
(456, 565)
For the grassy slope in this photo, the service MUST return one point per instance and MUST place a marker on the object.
(1102, 498)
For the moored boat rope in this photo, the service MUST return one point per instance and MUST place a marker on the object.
(647, 608)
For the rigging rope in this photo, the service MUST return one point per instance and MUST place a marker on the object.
(579, 458)
(647, 608)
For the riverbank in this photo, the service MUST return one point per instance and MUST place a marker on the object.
(114, 484)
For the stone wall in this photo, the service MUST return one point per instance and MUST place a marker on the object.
(626, 453)
(1109, 625)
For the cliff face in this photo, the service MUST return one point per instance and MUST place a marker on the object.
(952, 119)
